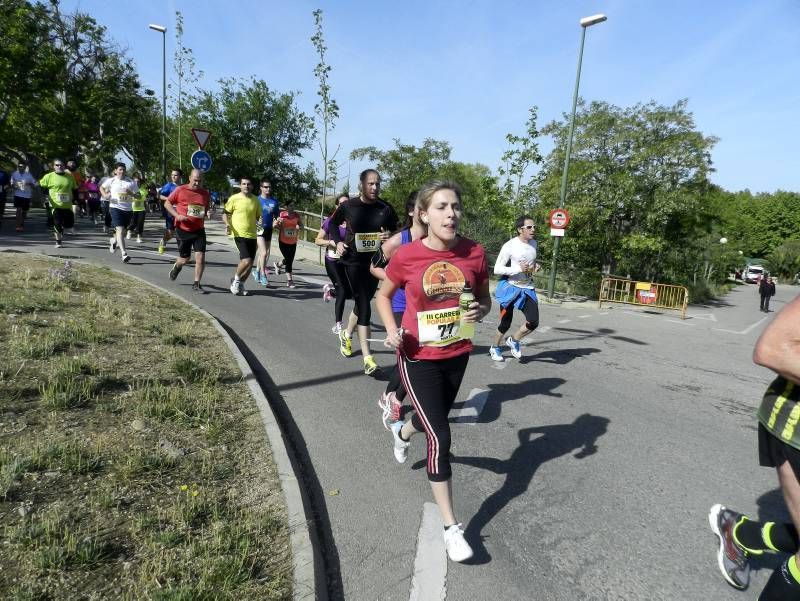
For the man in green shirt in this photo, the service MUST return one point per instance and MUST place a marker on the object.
(241, 214)
(59, 185)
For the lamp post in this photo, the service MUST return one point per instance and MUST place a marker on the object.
(163, 31)
(586, 22)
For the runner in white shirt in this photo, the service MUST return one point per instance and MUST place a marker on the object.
(516, 265)
(22, 183)
(121, 191)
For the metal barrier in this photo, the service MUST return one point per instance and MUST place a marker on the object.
(646, 294)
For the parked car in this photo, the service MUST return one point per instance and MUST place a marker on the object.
(753, 273)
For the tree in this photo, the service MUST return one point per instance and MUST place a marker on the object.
(638, 189)
(326, 109)
(784, 261)
(257, 132)
(522, 153)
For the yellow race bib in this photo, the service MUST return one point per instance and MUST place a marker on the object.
(367, 242)
(442, 327)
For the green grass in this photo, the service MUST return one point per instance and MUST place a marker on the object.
(130, 442)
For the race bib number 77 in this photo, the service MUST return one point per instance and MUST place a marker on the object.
(367, 242)
(440, 327)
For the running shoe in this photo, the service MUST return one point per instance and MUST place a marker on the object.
(126, 258)
(234, 287)
(161, 249)
(337, 328)
(390, 407)
(105, 229)
(197, 287)
(345, 344)
(370, 367)
(400, 445)
(128, 235)
(733, 561)
(138, 239)
(254, 273)
(58, 244)
(263, 280)
(20, 228)
(495, 353)
(514, 347)
(291, 284)
(326, 293)
(70, 231)
(457, 547)
(112, 244)
(173, 273)
(277, 268)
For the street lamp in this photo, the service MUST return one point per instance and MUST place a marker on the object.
(163, 31)
(585, 23)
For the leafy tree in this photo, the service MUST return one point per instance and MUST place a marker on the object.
(257, 132)
(784, 261)
(517, 188)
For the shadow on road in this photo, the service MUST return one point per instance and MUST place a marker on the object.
(519, 469)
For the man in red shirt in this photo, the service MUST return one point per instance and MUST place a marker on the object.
(188, 205)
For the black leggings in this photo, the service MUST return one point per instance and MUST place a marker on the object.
(432, 387)
(363, 285)
(395, 384)
(288, 251)
(531, 310)
(341, 287)
(137, 222)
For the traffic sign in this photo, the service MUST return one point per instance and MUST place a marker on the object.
(201, 160)
(201, 136)
(559, 218)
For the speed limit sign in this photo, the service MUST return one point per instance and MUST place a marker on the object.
(559, 219)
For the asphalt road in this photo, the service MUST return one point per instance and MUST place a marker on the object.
(583, 471)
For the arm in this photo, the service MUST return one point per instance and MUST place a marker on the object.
(778, 347)
(383, 302)
(388, 248)
(503, 257)
(482, 304)
(323, 241)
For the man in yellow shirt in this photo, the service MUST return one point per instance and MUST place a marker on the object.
(241, 214)
(59, 185)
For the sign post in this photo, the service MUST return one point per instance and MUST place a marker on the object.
(559, 220)
(200, 158)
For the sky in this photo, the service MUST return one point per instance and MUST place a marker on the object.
(467, 72)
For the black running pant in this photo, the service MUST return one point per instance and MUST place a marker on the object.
(341, 286)
(288, 251)
(62, 218)
(432, 387)
(531, 310)
(363, 284)
(137, 222)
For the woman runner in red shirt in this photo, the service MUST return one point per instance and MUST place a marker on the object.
(434, 341)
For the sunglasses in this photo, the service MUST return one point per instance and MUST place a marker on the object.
(527, 227)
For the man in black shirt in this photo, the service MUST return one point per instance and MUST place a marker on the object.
(369, 221)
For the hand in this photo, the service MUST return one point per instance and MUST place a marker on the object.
(179, 217)
(341, 248)
(384, 235)
(475, 313)
(394, 340)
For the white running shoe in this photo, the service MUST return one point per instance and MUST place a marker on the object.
(514, 347)
(138, 239)
(112, 244)
(495, 353)
(457, 547)
(337, 328)
(128, 235)
(126, 258)
(58, 244)
(400, 445)
(70, 231)
(234, 287)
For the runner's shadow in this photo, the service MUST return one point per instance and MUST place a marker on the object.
(519, 469)
(501, 393)
(559, 357)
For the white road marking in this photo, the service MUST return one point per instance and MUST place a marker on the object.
(680, 321)
(542, 329)
(708, 316)
(604, 313)
(583, 316)
(746, 330)
(564, 320)
(472, 407)
(429, 578)
(499, 364)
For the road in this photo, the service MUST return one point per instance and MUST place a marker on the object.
(583, 471)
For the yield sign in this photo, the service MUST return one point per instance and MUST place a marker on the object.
(201, 136)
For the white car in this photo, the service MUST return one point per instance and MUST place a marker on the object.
(753, 273)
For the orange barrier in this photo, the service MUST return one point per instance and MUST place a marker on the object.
(647, 294)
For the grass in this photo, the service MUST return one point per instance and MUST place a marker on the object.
(132, 459)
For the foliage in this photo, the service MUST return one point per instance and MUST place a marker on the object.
(54, 64)
(522, 153)
(784, 261)
(257, 132)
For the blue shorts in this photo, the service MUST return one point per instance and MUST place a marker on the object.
(120, 218)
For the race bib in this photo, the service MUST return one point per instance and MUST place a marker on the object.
(21, 185)
(64, 198)
(122, 197)
(367, 242)
(195, 210)
(290, 233)
(441, 327)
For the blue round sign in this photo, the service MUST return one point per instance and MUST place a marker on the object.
(201, 160)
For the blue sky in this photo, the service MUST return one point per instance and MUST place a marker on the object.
(467, 72)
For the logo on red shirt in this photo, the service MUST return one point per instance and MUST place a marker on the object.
(442, 280)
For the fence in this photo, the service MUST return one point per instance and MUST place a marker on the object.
(648, 294)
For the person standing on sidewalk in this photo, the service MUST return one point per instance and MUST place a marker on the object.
(121, 190)
(778, 348)
(516, 264)
(241, 214)
(175, 180)
(370, 222)
(434, 342)
(22, 183)
(188, 206)
(766, 290)
(59, 185)
(269, 213)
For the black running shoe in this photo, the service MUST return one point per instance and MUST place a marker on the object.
(173, 273)
(196, 287)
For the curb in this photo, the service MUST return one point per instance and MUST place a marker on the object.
(303, 555)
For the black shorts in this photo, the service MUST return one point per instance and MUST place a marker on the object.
(266, 235)
(190, 241)
(63, 218)
(22, 203)
(772, 451)
(247, 247)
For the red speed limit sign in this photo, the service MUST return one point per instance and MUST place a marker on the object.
(559, 218)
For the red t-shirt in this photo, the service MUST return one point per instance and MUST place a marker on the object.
(287, 231)
(433, 280)
(192, 203)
